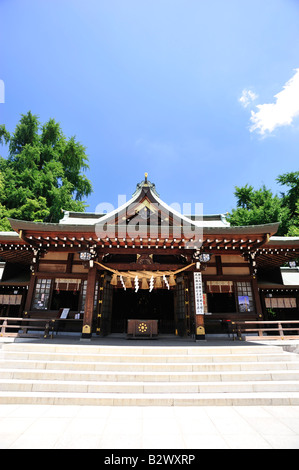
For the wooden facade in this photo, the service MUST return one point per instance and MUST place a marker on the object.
(138, 263)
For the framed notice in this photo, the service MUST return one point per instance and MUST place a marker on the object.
(243, 303)
(198, 295)
(64, 313)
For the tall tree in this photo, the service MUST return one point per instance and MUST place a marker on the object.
(261, 206)
(290, 198)
(43, 172)
(255, 207)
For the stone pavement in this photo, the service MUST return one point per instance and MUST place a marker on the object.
(105, 427)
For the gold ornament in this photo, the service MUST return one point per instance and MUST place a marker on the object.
(142, 327)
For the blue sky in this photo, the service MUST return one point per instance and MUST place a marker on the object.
(202, 95)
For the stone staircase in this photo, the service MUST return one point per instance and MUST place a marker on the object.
(45, 373)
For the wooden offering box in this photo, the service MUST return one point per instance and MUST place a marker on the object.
(142, 328)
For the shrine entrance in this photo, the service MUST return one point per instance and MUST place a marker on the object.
(143, 305)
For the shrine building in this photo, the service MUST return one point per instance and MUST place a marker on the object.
(146, 269)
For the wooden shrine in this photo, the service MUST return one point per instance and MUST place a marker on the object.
(145, 263)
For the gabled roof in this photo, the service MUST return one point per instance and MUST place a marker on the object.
(145, 203)
(147, 221)
(145, 196)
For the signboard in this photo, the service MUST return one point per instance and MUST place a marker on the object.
(274, 302)
(243, 303)
(64, 313)
(198, 295)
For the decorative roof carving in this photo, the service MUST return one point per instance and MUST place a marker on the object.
(146, 184)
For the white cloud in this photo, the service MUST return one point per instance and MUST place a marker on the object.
(281, 113)
(247, 97)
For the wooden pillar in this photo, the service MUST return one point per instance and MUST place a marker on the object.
(30, 293)
(69, 264)
(255, 290)
(257, 299)
(89, 303)
(219, 265)
(34, 268)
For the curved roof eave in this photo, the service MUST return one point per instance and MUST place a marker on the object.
(270, 229)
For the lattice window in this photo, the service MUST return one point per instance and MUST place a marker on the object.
(42, 294)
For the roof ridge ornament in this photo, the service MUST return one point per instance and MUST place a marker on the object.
(146, 184)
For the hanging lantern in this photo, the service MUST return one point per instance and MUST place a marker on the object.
(144, 284)
(114, 280)
(172, 280)
(128, 283)
(158, 283)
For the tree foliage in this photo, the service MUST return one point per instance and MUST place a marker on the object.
(42, 174)
(261, 206)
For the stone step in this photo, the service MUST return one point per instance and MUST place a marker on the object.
(146, 387)
(159, 359)
(158, 377)
(155, 399)
(45, 373)
(140, 350)
(147, 367)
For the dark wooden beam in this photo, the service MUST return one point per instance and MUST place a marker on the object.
(218, 265)
(142, 267)
(69, 263)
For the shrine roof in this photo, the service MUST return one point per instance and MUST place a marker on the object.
(271, 229)
(86, 218)
(79, 230)
(146, 199)
(9, 236)
(281, 241)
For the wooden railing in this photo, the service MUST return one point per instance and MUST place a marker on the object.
(280, 327)
(23, 325)
(31, 327)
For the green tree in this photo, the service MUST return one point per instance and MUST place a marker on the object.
(255, 207)
(290, 199)
(261, 206)
(293, 230)
(43, 172)
(4, 224)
